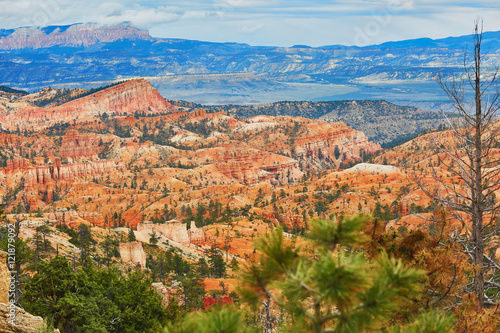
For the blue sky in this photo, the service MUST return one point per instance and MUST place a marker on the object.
(269, 22)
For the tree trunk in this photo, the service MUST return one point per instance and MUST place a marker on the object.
(474, 139)
(477, 208)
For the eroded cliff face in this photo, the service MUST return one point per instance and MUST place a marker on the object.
(72, 218)
(76, 145)
(126, 98)
(316, 145)
(8, 140)
(134, 253)
(176, 231)
(332, 142)
(252, 166)
(39, 184)
(42, 175)
(25, 322)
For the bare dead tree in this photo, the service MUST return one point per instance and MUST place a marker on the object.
(268, 320)
(469, 153)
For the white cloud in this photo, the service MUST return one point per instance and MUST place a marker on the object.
(141, 17)
(252, 29)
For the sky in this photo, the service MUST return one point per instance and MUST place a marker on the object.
(267, 22)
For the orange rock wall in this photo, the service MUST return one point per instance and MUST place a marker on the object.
(128, 97)
(252, 166)
(321, 139)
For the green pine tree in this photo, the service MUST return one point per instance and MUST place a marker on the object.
(334, 289)
(217, 264)
(153, 239)
(93, 300)
(131, 235)
(225, 320)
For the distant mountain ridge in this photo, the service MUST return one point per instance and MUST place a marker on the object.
(89, 55)
(491, 39)
(126, 30)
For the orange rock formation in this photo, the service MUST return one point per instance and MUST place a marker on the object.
(134, 253)
(125, 98)
(175, 230)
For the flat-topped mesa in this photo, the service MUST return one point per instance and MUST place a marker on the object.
(126, 98)
(82, 34)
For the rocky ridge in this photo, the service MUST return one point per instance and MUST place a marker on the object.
(120, 99)
(379, 120)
